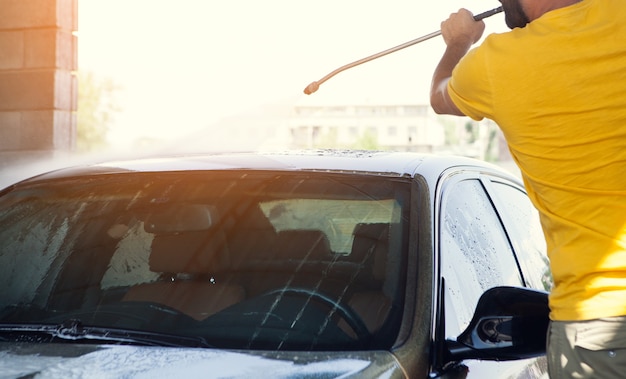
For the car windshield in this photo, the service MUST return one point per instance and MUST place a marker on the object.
(244, 259)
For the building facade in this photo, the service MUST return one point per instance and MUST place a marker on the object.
(400, 127)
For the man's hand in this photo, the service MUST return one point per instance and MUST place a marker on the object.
(459, 32)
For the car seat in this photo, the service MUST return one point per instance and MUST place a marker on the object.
(371, 247)
(189, 263)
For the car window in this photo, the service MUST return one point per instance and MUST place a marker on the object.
(47, 233)
(475, 253)
(523, 225)
(247, 260)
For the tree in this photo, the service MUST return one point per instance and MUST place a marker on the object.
(96, 108)
(367, 141)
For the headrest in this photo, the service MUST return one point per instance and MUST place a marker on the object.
(371, 246)
(191, 252)
(298, 244)
(376, 231)
(250, 237)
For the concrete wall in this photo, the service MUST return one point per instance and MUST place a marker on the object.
(38, 90)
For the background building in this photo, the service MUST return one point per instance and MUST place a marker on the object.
(402, 127)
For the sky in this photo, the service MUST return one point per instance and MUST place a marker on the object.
(182, 65)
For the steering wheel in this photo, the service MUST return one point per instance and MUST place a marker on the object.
(354, 321)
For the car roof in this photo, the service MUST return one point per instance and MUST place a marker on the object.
(392, 164)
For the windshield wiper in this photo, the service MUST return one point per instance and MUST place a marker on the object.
(74, 330)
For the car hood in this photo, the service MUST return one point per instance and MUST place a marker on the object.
(111, 361)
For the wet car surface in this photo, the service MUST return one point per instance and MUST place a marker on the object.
(294, 264)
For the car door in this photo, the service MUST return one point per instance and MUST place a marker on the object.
(476, 253)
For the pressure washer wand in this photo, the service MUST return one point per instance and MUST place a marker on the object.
(316, 85)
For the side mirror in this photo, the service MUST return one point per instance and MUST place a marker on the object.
(509, 323)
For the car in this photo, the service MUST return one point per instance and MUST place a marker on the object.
(314, 263)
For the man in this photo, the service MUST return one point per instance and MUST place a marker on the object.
(556, 86)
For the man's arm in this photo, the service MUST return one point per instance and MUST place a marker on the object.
(459, 32)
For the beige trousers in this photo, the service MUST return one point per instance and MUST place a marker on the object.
(587, 349)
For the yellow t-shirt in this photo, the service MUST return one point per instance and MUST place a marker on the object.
(557, 89)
